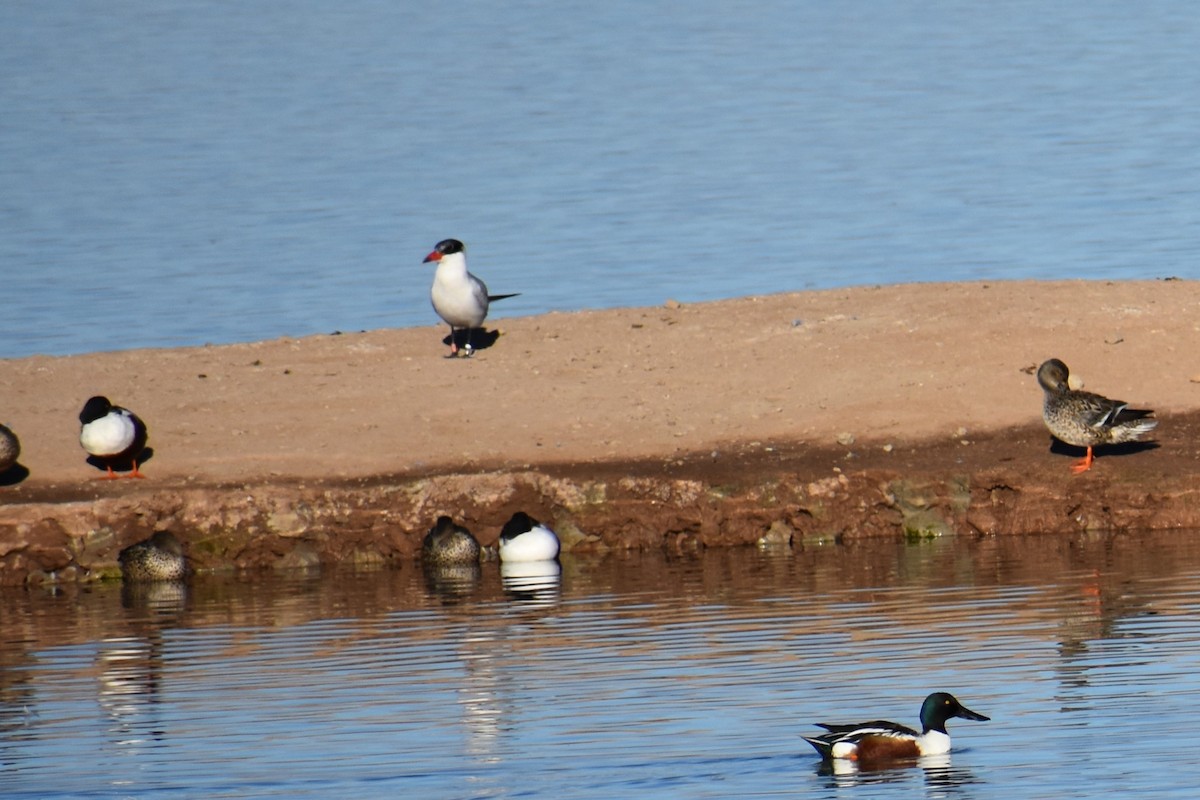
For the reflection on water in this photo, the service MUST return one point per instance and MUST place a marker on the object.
(936, 773)
(614, 676)
(532, 583)
(453, 583)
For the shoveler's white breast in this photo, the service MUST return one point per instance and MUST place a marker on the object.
(539, 543)
(110, 435)
(933, 743)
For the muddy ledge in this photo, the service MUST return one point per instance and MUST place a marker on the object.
(793, 495)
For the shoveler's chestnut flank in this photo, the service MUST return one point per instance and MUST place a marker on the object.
(881, 741)
(1085, 419)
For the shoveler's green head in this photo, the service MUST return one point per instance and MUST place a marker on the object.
(941, 706)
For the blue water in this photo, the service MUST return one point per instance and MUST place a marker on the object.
(175, 174)
(629, 676)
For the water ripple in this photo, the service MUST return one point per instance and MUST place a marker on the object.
(699, 687)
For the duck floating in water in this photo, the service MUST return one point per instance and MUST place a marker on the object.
(449, 543)
(10, 448)
(1085, 419)
(882, 741)
(523, 538)
(159, 558)
(112, 434)
(459, 298)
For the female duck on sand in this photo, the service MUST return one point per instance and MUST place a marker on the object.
(1085, 419)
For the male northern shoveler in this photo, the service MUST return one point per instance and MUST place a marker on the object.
(459, 298)
(448, 543)
(1085, 419)
(112, 434)
(523, 538)
(159, 558)
(880, 740)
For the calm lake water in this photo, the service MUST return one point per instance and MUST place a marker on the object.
(630, 675)
(175, 174)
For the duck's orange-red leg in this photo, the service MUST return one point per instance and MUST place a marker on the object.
(1085, 464)
(135, 473)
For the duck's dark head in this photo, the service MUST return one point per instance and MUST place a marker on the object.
(95, 408)
(1052, 375)
(941, 706)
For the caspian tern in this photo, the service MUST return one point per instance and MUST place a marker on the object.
(458, 297)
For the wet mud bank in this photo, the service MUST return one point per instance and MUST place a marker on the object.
(793, 495)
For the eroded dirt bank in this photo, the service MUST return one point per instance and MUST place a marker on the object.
(889, 411)
(797, 495)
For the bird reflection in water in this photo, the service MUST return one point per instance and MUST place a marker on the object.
(451, 583)
(534, 584)
(939, 773)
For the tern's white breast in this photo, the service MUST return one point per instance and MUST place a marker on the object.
(458, 296)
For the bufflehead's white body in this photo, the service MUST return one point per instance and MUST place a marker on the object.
(525, 539)
(112, 434)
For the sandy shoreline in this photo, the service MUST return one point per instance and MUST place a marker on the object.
(894, 367)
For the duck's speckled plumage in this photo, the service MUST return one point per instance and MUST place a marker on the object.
(159, 558)
(448, 543)
(10, 448)
(1085, 419)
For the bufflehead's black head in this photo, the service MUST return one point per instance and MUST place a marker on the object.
(94, 409)
(444, 248)
(520, 523)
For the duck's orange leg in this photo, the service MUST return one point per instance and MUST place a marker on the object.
(1085, 464)
(110, 475)
(135, 473)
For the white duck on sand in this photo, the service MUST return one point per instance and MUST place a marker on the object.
(459, 298)
(112, 434)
